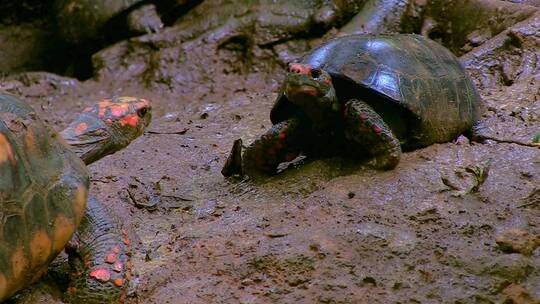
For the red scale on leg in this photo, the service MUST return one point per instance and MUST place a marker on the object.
(110, 258)
(100, 274)
(117, 267)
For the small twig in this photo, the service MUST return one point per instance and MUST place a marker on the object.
(181, 132)
(182, 198)
(512, 141)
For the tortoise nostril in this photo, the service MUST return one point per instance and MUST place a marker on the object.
(294, 68)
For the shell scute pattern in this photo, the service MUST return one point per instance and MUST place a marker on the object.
(39, 178)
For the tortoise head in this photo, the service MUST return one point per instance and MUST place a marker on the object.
(312, 90)
(107, 127)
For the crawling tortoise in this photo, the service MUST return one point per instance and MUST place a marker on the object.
(43, 197)
(365, 95)
(81, 20)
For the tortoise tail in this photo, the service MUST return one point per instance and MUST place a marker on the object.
(99, 258)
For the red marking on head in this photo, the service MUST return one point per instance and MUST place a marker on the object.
(110, 258)
(300, 68)
(116, 249)
(100, 274)
(119, 110)
(118, 282)
(376, 129)
(81, 128)
(103, 106)
(281, 136)
(117, 267)
(130, 120)
(101, 112)
(126, 242)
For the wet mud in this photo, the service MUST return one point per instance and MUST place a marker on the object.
(457, 222)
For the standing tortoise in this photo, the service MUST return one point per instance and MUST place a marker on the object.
(81, 20)
(43, 197)
(365, 95)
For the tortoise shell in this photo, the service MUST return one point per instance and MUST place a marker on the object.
(403, 72)
(43, 193)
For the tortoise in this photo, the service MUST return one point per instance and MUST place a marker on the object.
(366, 95)
(44, 197)
(82, 20)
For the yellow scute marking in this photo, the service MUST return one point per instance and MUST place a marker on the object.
(29, 141)
(63, 230)
(19, 264)
(81, 128)
(80, 203)
(40, 248)
(6, 152)
(3, 286)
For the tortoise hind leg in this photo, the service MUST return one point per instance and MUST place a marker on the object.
(367, 129)
(99, 258)
(279, 144)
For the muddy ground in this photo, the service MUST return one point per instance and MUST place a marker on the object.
(457, 222)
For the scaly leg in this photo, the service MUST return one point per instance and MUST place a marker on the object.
(281, 143)
(99, 257)
(367, 129)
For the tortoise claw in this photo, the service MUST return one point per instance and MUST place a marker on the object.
(233, 164)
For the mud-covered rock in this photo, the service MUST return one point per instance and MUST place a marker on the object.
(377, 17)
(507, 70)
(516, 294)
(26, 47)
(518, 241)
(238, 33)
(462, 25)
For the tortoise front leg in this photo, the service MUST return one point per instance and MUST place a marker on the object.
(367, 129)
(279, 144)
(99, 257)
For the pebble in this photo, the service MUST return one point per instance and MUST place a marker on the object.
(516, 240)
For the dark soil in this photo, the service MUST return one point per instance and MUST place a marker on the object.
(457, 222)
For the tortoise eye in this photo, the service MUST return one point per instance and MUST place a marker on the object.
(141, 112)
(315, 73)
